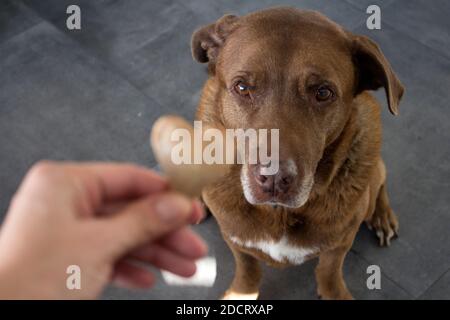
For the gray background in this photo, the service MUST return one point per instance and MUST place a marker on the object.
(94, 94)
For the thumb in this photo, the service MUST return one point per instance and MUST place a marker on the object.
(146, 220)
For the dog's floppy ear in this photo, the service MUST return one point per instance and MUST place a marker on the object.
(207, 41)
(374, 71)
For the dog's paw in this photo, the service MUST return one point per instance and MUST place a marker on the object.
(334, 295)
(233, 295)
(385, 226)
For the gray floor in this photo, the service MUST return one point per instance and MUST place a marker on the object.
(94, 93)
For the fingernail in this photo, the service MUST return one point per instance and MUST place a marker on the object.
(203, 248)
(172, 207)
(198, 212)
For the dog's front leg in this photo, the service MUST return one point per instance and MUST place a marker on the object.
(247, 277)
(329, 277)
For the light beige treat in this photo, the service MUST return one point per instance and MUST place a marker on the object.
(188, 179)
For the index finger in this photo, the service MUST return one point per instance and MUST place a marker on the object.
(114, 181)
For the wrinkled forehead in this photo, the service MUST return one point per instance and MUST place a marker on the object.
(296, 44)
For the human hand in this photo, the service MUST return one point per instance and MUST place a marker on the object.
(101, 217)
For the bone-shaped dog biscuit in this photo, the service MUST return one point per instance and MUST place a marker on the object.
(188, 179)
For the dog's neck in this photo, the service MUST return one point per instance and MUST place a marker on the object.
(336, 155)
(348, 161)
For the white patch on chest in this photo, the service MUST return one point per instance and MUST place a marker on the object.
(280, 251)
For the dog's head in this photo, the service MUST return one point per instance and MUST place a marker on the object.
(296, 71)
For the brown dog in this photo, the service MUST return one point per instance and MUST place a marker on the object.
(301, 73)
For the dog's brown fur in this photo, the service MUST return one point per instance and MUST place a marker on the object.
(340, 141)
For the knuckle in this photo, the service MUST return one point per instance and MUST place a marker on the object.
(144, 220)
(43, 167)
(42, 171)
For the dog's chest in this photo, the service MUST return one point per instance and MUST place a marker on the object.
(281, 251)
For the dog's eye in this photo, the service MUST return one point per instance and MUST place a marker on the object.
(243, 89)
(323, 93)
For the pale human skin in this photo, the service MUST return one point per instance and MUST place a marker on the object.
(103, 217)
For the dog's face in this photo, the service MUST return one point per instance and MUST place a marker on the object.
(295, 71)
